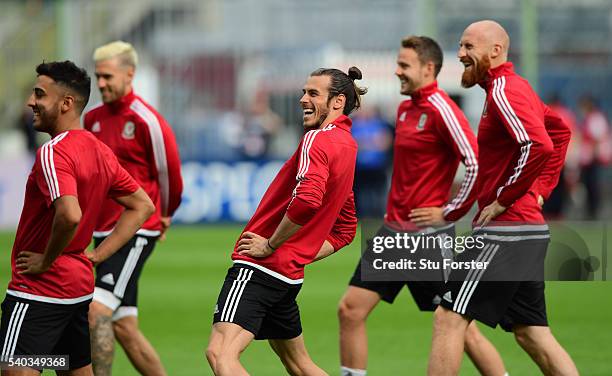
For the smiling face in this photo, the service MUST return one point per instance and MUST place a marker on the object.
(46, 101)
(316, 102)
(475, 55)
(412, 74)
(114, 80)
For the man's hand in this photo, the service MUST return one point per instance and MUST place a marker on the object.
(540, 200)
(165, 222)
(423, 217)
(489, 213)
(31, 263)
(253, 245)
(92, 256)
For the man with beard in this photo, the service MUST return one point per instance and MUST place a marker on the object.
(145, 146)
(432, 136)
(307, 213)
(522, 146)
(45, 309)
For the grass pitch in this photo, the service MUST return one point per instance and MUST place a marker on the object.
(182, 279)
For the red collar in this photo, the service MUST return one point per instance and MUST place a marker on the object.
(424, 92)
(122, 102)
(343, 122)
(505, 69)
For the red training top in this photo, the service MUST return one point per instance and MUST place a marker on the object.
(145, 146)
(522, 145)
(432, 136)
(322, 201)
(73, 163)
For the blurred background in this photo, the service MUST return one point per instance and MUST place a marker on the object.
(227, 75)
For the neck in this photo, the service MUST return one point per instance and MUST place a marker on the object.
(330, 117)
(496, 63)
(63, 126)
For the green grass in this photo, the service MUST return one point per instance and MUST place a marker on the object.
(180, 283)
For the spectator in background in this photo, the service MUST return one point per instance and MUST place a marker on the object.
(595, 151)
(555, 205)
(260, 126)
(374, 137)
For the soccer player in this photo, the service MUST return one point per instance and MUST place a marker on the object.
(307, 213)
(432, 136)
(145, 146)
(45, 309)
(522, 146)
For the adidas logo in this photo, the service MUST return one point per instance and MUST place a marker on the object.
(216, 309)
(448, 297)
(108, 278)
(436, 300)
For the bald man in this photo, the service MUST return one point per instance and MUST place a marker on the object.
(522, 146)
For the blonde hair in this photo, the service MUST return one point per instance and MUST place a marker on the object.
(123, 50)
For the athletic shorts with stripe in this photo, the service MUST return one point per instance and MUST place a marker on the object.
(510, 290)
(30, 327)
(117, 277)
(259, 303)
(426, 293)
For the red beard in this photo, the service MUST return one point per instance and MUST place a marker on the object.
(477, 73)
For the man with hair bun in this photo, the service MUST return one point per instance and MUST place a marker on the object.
(307, 213)
(146, 147)
(432, 136)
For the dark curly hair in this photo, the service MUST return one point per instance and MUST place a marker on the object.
(70, 76)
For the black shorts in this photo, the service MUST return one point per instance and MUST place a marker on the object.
(510, 291)
(426, 293)
(259, 303)
(30, 327)
(117, 277)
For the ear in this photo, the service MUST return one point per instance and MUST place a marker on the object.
(339, 102)
(130, 73)
(496, 51)
(67, 103)
(430, 69)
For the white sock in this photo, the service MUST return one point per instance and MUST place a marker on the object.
(345, 371)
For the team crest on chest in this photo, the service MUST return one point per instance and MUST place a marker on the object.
(96, 127)
(129, 130)
(422, 121)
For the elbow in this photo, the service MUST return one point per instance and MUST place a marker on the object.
(301, 211)
(71, 219)
(547, 148)
(148, 208)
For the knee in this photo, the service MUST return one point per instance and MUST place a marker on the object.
(524, 337)
(447, 320)
(473, 337)
(98, 312)
(125, 332)
(350, 313)
(212, 354)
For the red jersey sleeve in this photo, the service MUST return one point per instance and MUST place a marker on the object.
(167, 164)
(345, 227)
(312, 174)
(456, 131)
(123, 183)
(560, 134)
(526, 127)
(55, 172)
